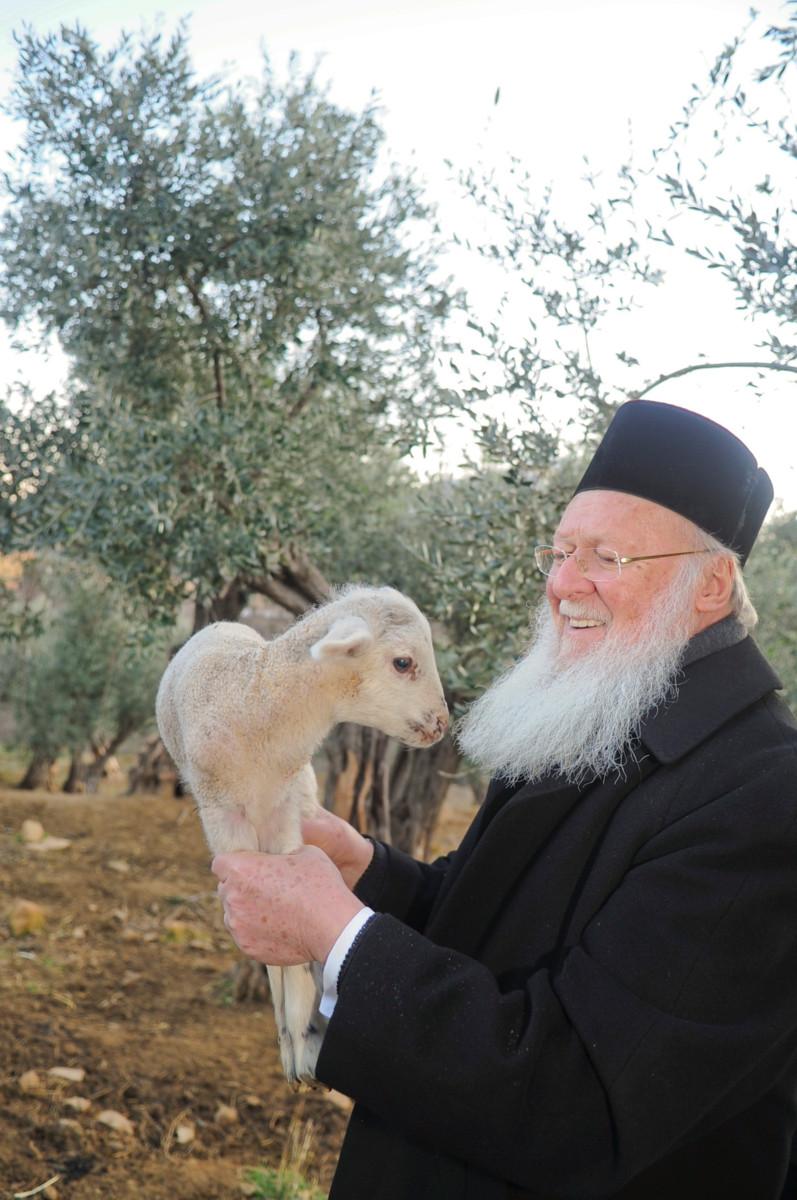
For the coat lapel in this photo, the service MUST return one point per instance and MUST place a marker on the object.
(503, 844)
(499, 794)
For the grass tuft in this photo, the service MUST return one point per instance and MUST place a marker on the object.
(288, 1181)
(276, 1183)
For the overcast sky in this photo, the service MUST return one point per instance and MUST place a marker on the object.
(576, 77)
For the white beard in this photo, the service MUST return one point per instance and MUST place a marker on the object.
(577, 717)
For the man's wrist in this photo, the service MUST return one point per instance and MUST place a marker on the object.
(338, 957)
(332, 922)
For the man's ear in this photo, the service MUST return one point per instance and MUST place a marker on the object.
(716, 586)
(347, 637)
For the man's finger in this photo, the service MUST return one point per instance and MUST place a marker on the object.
(220, 866)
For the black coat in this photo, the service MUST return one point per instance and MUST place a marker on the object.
(596, 995)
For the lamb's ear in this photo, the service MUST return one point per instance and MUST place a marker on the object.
(347, 637)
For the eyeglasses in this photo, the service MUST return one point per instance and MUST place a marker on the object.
(595, 562)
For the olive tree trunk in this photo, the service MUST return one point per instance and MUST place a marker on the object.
(38, 775)
(76, 776)
(385, 789)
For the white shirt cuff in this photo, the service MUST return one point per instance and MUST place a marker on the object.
(335, 960)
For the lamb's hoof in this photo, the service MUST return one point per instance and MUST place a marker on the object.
(299, 1058)
(288, 1057)
(307, 1055)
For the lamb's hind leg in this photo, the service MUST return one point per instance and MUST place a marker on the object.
(295, 991)
(224, 819)
(304, 1024)
(228, 830)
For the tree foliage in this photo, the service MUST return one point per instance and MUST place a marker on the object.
(729, 167)
(772, 580)
(231, 279)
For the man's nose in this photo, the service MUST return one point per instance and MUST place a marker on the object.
(568, 581)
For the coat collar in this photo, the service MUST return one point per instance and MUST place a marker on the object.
(711, 692)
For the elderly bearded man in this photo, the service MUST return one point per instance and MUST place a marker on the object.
(596, 995)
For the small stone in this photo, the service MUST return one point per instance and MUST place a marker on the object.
(30, 1081)
(50, 843)
(78, 1103)
(253, 1101)
(226, 1115)
(71, 1074)
(25, 916)
(184, 1133)
(116, 1121)
(51, 1193)
(118, 864)
(69, 1123)
(32, 830)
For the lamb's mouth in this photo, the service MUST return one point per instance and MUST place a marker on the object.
(423, 735)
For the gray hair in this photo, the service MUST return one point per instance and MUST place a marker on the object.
(742, 606)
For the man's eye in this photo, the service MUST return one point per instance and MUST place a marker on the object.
(559, 556)
(607, 558)
(402, 665)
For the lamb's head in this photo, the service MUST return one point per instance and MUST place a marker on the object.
(378, 647)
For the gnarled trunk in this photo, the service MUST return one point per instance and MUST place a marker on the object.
(38, 775)
(224, 607)
(153, 770)
(76, 776)
(386, 789)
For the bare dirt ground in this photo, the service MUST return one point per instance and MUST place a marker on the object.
(129, 981)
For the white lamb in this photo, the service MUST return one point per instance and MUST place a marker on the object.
(241, 717)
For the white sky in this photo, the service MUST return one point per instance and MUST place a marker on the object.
(576, 76)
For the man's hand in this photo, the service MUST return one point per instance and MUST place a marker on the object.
(284, 909)
(349, 850)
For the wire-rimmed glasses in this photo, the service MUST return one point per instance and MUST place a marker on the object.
(596, 563)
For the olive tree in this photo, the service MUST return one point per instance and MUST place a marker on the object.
(229, 270)
(84, 680)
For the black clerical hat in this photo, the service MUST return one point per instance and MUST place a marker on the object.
(687, 463)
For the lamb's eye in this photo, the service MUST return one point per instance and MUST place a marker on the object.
(402, 665)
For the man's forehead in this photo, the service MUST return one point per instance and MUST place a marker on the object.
(595, 517)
